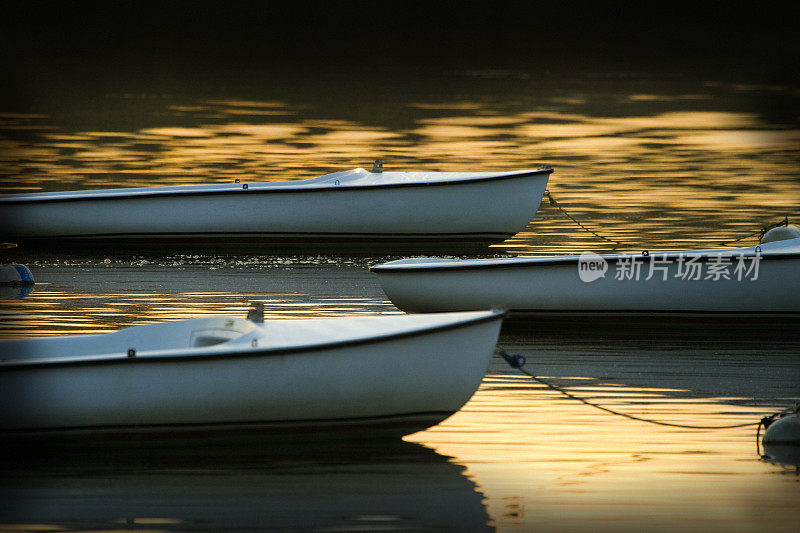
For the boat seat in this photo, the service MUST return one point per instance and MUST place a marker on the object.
(210, 337)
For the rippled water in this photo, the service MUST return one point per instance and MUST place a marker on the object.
(650, 162)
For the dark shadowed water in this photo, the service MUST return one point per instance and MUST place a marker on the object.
(654, 158)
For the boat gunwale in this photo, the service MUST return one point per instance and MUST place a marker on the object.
(522, 262)
(243, 188)
(214, 353)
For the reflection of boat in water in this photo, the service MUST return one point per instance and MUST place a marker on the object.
(243, 484)
(392, 374)
(350, 206)
(756, 280)
(785, 455)
(736, 361)
(15, 292)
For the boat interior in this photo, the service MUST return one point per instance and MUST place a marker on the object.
(193, 333)
(208, 332)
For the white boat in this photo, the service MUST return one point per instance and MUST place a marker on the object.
(762, 279)
(350, 206)
(222, 374)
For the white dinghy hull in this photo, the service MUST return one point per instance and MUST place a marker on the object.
(350, 206)
(401, 373)
(767, 282)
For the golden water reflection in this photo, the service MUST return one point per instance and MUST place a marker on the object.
(547, 462)
(90, 296)
(54, 312)
(652, 169)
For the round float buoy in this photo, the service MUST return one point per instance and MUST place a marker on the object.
(15, 276)
(781, 233)
(784, 430)
(782, 438)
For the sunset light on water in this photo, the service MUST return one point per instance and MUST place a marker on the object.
(659, 140)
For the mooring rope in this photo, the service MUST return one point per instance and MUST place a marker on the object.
(768, 420)
(518, 361)
(761, 231)
(555, 204)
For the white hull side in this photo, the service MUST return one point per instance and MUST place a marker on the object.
(497, 210)
(558, 288)
(432, 373)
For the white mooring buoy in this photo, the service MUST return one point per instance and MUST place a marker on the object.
(784, 430)
(781, 233)
(782, 438)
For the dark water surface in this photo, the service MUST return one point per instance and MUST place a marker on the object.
(651, 159)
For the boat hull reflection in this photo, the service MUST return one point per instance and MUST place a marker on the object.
(243, 483)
